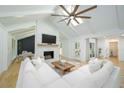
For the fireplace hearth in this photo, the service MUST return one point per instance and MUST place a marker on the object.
(48, 55)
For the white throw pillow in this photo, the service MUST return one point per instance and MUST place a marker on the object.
(95, 65)
(37, 62)
(92, 60)
(28, 67)
(27, 60)
(42, 59)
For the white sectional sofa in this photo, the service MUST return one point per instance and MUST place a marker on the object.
(45, 77)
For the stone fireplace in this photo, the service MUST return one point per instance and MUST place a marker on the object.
(48, 55)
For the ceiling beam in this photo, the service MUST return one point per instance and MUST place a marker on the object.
(24, 13)
(16, 27)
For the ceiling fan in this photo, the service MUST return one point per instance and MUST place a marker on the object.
(74, 14)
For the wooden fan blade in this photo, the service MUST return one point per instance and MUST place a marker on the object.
(59, 15)
(69, 22)
(63, 19)
(64, 9)
(87, 17)
(76, 20)
(86, 10)
(75, 9)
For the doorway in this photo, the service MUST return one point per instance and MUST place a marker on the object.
(113, 52)
(113, 49)
(91, 48)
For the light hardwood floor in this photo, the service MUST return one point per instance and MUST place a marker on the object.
(8, 78)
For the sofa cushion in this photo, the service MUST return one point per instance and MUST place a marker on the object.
(102, 75)
(93, 80)
(87, 82)
(114, 79)
(47, 75)
(59, 83)
(30, 81)
(21, 72)
(74, 77)
(37, 78)
(28, 67)
(85, 69)
(31, 77)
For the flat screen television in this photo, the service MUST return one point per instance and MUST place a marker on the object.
(50, 39)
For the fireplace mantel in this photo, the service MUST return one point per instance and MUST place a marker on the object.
(48, 45)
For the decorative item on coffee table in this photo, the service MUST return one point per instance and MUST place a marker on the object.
(62, 62)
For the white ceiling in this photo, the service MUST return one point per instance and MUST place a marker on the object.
(23, 33)
(19, 20)
(10, 14)
(105, 21)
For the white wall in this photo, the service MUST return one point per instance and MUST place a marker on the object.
(121, 49)
(46, 28)
(69, 48)
(101, 44)
(65, 47)
(3, 48)
(12, 48)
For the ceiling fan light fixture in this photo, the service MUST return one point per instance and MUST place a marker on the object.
(72, 17)
(69, 9)
(80, 20)
(63, 12)
(74, 23)
(71, 14)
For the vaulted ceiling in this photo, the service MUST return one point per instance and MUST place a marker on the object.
(20, 21)
(105, 21)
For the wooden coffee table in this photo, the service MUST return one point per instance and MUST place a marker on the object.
(63, 67)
